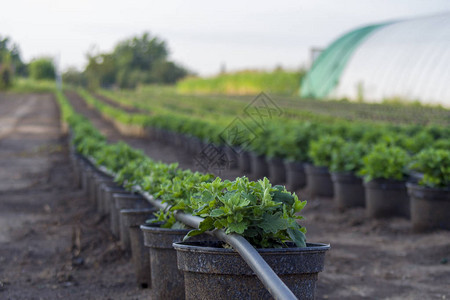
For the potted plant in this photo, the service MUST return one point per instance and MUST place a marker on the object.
(345, 164)
(296, 144)
(166, 280)
(276, 152)
(133, 219)
(384, 168)
(267, 217)
(318, 174)
(259, 165)
(430, 197)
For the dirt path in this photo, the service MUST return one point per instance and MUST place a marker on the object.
(369, 259)
(40, 210)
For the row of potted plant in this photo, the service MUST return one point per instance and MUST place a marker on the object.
(381, 176)
(265, 215)
(280, 138)
(299, 153)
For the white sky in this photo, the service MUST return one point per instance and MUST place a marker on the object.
(201, 35)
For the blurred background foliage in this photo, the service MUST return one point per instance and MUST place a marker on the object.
(139, 60)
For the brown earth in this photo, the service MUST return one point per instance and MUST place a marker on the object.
(41, 213)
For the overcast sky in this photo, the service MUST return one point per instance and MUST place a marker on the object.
(201, 35)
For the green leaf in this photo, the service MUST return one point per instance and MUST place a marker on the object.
(273, 223)
(238, 228)
(297, 236)
(217, 212)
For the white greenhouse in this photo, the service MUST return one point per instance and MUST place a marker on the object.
(408, 59)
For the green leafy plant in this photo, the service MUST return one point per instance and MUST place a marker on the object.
(177, 193)
(387, 162)
(265, 215)
(435, 166)
(321, 151)
(348, 158)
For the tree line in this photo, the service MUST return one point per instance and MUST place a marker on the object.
(139, 60)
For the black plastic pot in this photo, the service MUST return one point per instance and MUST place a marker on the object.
(259, 166)
(319, 181)
(126, 201)
(295, 175)
(244, 162)
(277, 171)
(196, 146)
(430, 207)
(92, 187)
(107, 197)
(133, 219)
(213, 272)
(85, 177)
(167, 280)
(232, 157)
(386, 198)
(114, 213)
(102, 206)
(100, 183)
(348, 190)
(78, 166)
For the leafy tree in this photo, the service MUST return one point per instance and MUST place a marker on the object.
(42, 68)
(10, 62)
(138, 60)
(74, 77)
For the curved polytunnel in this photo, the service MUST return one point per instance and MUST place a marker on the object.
(409, 60)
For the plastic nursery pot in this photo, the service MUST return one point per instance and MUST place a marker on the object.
(386, 198)
(100, 183)
(214, 272)
(94, 182)
(167, 280)
(107, 197)
(348, 190)
(104, 194)
(277, 171)
(190, 144)
(133, 219)
(232, 157)
(259, 166)
(85, 177)
(244, 162)
(78, 165)
(430, 207)
(295, 175)
(124, 201)
(110, 206)
(319, 181)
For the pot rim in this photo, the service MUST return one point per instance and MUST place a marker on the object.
(415, 186)
(156, 229)
(375, 183)
(137, 211)
(194, 247)
(127, 194)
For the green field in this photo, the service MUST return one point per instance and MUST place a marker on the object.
(248, 82)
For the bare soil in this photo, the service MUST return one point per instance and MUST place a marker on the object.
(42, 216)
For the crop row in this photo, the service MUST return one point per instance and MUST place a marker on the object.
(265, 215)
(278, 137)
(357, 150)
(147, 97)
(178, 187)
